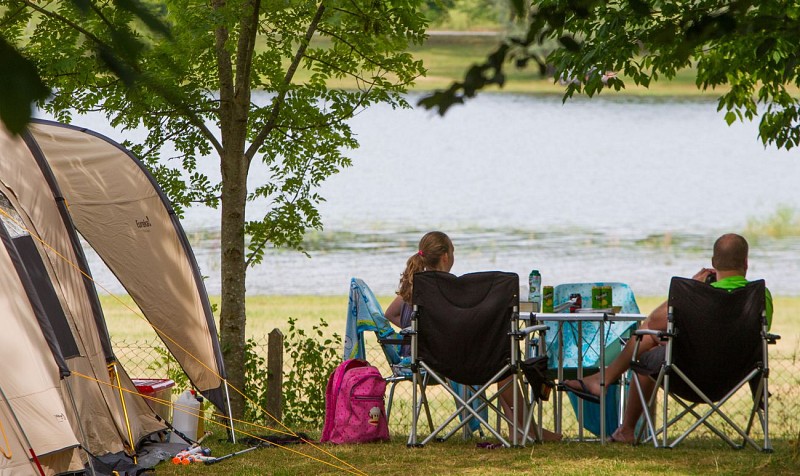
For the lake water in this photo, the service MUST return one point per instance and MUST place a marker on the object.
(633, 190)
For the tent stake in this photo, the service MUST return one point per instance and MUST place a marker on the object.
(221, 458)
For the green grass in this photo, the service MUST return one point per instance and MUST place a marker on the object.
(459, 457)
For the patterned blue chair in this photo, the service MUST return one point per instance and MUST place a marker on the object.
(364, 314)
(589, 339)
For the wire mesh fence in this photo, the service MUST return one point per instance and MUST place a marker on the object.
(146, 359)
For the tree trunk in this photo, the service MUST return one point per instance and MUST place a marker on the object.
(232, 309)
(233, 112)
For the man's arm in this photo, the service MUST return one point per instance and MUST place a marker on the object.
(703, 274)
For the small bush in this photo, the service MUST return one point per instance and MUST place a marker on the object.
(312, 358)
(255, 384)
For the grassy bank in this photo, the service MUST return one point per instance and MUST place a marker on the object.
(448, 56)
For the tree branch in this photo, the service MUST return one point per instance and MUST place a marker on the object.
(277, 102)
(245, 49)
(358, 52)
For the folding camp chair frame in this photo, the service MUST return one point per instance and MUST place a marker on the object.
(660, 437)
(421, 372)
(399, 376)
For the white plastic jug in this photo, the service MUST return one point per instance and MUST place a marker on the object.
(184, 417)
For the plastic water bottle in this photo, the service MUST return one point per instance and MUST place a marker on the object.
(535, 289)
(184, 417)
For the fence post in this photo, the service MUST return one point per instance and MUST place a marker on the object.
(275, 374)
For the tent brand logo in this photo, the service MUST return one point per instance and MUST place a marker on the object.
(143, 223)
(61, 418)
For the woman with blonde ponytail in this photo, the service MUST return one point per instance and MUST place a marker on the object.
(434, 253)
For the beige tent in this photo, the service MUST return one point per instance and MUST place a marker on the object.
(62, 179)
(33, 417)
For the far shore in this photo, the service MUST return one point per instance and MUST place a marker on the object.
(448, 54)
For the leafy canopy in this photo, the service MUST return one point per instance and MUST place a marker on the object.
(748, 48)
(20, 81)
(185, 84)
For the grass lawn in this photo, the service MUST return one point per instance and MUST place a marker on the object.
(463, 457)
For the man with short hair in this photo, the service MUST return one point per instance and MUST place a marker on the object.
(729, 263)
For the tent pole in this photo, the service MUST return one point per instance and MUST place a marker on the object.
(22, 432)
(113, 368)
(85, 444)
(230, 411)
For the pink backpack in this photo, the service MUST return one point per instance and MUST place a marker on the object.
(354, 408)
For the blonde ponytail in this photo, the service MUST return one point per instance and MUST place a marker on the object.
(432, 247)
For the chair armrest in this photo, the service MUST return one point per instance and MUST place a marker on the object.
(772, 338)
(662, 335)
(532, 329)
(406, 340)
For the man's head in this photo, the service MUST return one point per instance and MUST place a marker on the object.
(730, 254)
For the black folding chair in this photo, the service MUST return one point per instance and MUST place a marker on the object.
(465, 329)
(716, 342)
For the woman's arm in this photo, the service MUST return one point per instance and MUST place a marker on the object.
(393, 311)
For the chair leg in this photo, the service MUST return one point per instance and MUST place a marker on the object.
(714, 408)
(700, 419)
(412, 435)
(424, 402)
(465, 404)
(391, 398)
(761, 410)
(765, 423)
(485, 402)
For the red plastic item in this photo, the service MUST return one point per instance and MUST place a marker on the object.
(160, 390)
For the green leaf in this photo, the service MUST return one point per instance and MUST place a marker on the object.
(21, 86)
(730, 117)
(640, 7)
(569, 43)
